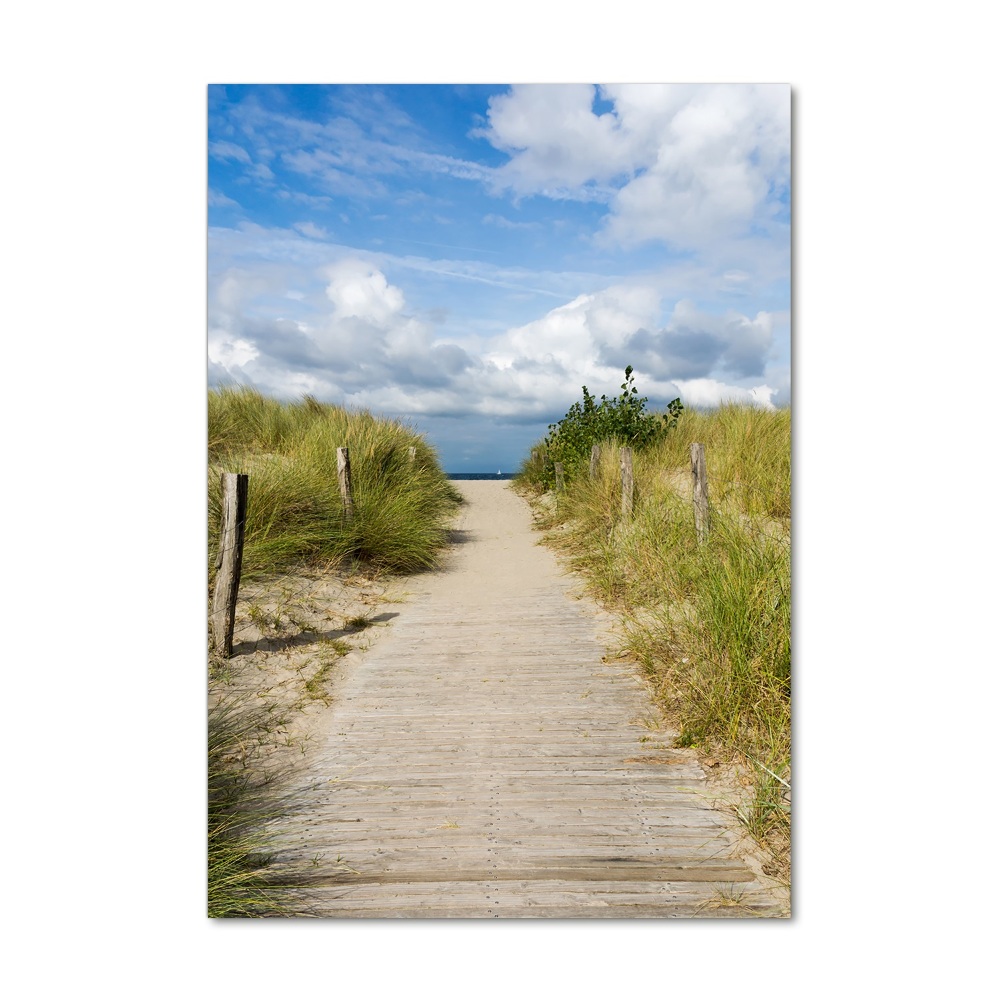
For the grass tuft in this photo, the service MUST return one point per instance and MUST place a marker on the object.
(243, 773)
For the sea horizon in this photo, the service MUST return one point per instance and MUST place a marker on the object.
(481, 475)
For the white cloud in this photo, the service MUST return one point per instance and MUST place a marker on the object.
(216, 199)
(715, 164)
(700, 169)
(310, 317)
(262, 172)
(503, 223)
(311, 230)
(228, 151)
(557, 144)
(686, 165)
(709, 392)
(328, 168)
(320, 201)
(228, 351)
(358, 289)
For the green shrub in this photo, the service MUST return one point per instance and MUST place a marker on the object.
(623, 419)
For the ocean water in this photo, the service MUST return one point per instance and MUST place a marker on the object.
(480, 475)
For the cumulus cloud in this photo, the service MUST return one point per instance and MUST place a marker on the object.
(558, 146)
(701, 172)
(364, 348)
(719, 158)
(229, 352)
(707, 392)
(681, 165)
(694, 344)
(349, 336)
(359, 289)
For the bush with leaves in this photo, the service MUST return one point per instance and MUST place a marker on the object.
(623, 419)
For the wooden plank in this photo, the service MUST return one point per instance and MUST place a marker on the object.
(622, 873)
(572, 912)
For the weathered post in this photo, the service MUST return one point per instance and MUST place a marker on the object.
(344, 476)
(699, 473)
(560, 485)
(628, 483)
(413, 454)
(595, 457)
(229, 562)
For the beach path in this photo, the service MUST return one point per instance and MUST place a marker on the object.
(490, 756)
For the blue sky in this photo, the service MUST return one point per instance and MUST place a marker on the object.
(467, 257)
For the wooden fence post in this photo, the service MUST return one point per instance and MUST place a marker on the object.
(229, 562)
(628, 483)
(560, 485)
(699, 473)
(595, 457)
(344, 476)
(413, 454)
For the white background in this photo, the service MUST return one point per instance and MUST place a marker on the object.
(894, 346)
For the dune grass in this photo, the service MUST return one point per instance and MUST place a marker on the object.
(710, 623)
(295, 519)
(243, 778)
(295, 513)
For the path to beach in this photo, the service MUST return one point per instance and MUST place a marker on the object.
(489, 756)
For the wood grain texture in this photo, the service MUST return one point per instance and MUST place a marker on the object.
(699, 476)
(595, 457)
(489, 757)
(344, 478)
(628, 483)
(229, 563)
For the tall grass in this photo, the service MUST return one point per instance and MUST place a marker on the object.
(295, 512)
(243, 781)
(710, 623)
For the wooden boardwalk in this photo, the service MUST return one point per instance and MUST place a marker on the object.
(485, 760)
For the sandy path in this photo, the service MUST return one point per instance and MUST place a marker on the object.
(487, 759)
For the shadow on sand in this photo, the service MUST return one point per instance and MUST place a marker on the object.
(277, 644)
